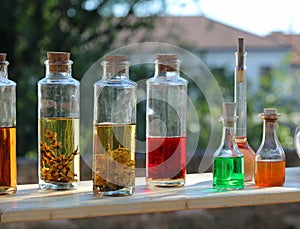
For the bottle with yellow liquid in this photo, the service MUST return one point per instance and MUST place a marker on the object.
(58, 126)
(114, 129)
(8, 162)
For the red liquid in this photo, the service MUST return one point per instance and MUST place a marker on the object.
(249, 157)
(166, 158)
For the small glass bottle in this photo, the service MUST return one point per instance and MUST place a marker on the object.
(114, 129)
(8, 164)
(58, 125)
(270, 157)
(228, 161)
(240, 98)
(166, 124)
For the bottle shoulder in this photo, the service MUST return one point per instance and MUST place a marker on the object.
(57, 81)
(4, 82)
(121, 83)
(176, 80)
(225, 151)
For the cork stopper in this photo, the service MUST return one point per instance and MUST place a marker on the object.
(116, 64)
(58, 61)
(241, 59)
(3, 59)
(241, 45)
(167, 62)
(116, 58)
(229, 110)
(270, 113)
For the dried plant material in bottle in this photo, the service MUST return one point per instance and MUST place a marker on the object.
(114, 162)
(59, 153)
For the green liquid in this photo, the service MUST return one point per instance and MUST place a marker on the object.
(228, 173)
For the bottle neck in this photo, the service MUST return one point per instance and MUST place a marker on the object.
(228, 137)
(58, 70)
(3, 71)
(113, 71)
(240, 94)
(269, 130)
(167, 69)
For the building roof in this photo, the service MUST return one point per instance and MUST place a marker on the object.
(201, 33)
(291, 39)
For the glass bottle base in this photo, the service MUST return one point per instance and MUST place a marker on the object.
(7, 190)
(165, 182)
(57, 186)
(120, 192)
(226, 188)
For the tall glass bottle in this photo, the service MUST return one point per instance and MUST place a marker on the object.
(166, 124)
(240, 98)
(228, 163)
(58, 125)
(8, 162)
(270, 157)
(114, 129)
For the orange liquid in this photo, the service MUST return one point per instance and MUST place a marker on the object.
(8, 161)
(249, 157)
(269, 173)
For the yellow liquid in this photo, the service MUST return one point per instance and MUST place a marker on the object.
(114, 159)
(58, 152)
(8, 162)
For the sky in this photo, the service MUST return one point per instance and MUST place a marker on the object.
(260, 17)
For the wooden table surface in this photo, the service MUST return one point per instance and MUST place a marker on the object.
(31, 204)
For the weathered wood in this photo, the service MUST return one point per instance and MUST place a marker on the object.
(31, 204)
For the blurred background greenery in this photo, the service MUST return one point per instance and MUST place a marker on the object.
(88, 29)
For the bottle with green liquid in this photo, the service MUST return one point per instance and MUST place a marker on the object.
(228, 161)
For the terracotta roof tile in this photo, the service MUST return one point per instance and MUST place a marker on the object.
(201, 33)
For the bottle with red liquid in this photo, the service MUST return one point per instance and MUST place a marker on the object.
(240, 98)
(166, 124)
(270, 157)
(8, 160)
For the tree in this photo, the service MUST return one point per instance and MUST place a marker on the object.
(86, 28)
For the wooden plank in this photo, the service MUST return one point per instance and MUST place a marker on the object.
(31, 204)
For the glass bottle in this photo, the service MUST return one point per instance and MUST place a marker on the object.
(8, 164)
(58, 125)
(240, 98)
(228, 161)
(270, 157)
(114, 129)
(166, 124)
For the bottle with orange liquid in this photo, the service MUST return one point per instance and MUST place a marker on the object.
(240, 98)
(8, 162)
(270, 157)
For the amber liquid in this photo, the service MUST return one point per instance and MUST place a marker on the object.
(249, 157)
(59, 153)
(8, 162)
(166, 161)
(114, 159)
(269, 173)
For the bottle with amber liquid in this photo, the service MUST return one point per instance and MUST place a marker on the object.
(240, 98)
(270, 157)
(166, 124)
(114, 129)
(8, 162)
(228, 160)
(58, 125)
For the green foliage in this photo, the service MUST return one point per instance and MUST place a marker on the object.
(86, 28)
